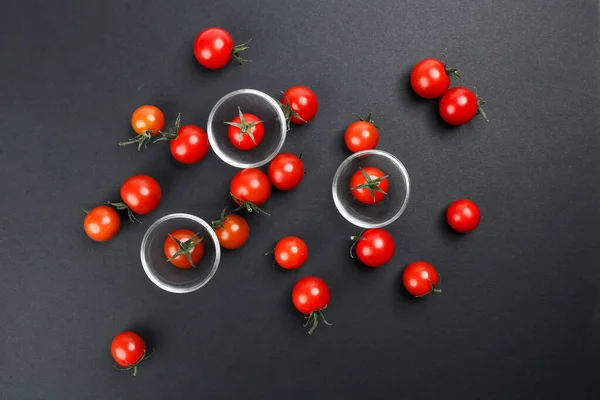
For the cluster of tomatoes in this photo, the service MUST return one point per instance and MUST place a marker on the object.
(430, 79)
(250, 188)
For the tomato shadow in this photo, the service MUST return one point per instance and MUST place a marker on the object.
(147, 333)
(400, 291)
(445, 228)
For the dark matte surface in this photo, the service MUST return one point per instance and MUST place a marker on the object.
(520, 314)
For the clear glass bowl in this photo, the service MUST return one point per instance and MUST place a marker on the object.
(371, 215)
(253, 102)
(164, 274)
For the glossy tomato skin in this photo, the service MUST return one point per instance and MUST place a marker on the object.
(171, 247)
(213, 48)
(310, 294)
(420, 278)
(303, 101)
(291, 252)
(244, 141)
(429, 78)
(147, 118)
(251, 185)
(375, 247)
(364, 195)
(286, 171)
(191, 144)
(128, 349)
(463, 215)
(102, 223)
(141, 193)
(361, 135)
(234, 232)
(458, 106)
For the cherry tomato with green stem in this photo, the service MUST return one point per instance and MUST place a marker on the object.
(463, 215)
(286, 171)
(129, 350)
(147, 121)
(214, 48)
(300, 105)
(430, 78)
(232, 230)
(246, 131)
(362, 134)
(140, 194)
(102, 223)
(183, 248)
(420, 278)
(311, 296)
(290, 252)
(249, 189)
(369, 185)
(373, 247)
(460, 105)
(188, 144)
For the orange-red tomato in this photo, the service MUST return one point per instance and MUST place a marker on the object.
(102, 223)
(232, 231)
(147, 118)
(195, 251)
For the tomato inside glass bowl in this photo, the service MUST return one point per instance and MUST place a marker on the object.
(256, 103)
(388, 185)
(163, 273)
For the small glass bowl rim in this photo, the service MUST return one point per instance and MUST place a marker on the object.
(338, 202)
(154, 278)
(211, 134)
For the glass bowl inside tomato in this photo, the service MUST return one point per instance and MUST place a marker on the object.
(164, 274)
(390, 191)
(248, 101)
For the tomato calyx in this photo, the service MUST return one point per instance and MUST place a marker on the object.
(480, 102)
(142, 140)
(247, 205)
(121, 206)
(288, 111)
(355, 240)
(372, 185)
(433, 289)
(368, 118)
(452, 72)
(313, 318)
(185, 248)
(237, 49)
(135, 366)
(218, 223)
(244, 127)
(172, 133)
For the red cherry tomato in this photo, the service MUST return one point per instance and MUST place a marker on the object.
(420, 279)
(459, 105)
(246, 131)
(183, 248)
(361, 135)
(250, 185)
(300, 104)
(214, 48)
(102, 223)
(147, 118)
(232, 230)
(286, 171)
(311, 296)
(369, 185)
(141, 193)
(291, 252)
(191, 144)
(430, 78)
(463, 215)
(128, 350)
(374, 247)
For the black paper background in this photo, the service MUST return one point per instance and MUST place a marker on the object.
(519, 317)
